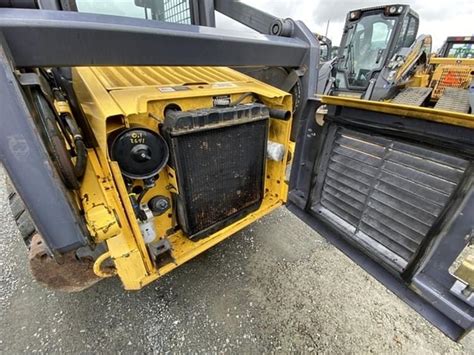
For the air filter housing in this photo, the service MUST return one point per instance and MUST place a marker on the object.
(218, 155)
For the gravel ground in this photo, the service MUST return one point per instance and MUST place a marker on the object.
(277, 286)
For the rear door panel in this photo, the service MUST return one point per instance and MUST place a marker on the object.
(388, 191)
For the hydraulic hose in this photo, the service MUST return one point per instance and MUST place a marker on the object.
(79, 146)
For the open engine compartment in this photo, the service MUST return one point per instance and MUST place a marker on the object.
(186, 149)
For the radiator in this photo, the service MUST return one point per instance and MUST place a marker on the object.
(219, 158)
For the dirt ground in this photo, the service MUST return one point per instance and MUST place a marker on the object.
(277, 286)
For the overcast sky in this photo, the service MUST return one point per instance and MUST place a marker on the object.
(440, 18)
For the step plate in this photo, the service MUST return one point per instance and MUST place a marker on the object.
(454, 99)
(412, 96)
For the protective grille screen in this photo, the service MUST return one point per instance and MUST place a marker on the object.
(220, 174)
(385, 194)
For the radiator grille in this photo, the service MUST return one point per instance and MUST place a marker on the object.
(385, 194)
(220, 174)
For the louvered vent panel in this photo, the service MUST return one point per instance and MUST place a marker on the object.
(386, 195)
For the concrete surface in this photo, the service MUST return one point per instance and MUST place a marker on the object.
(276, 286)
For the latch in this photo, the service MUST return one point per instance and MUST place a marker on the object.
(463, 270)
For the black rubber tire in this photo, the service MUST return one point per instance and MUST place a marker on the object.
(20, 214)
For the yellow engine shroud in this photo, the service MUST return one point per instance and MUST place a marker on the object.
(116, 97)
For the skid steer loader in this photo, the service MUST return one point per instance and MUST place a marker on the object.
(131, 147)
(382, 59)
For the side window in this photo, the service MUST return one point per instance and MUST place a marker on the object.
(403, 32)
(177, 11)
(411, 32)
(408, 32)
(380, 35)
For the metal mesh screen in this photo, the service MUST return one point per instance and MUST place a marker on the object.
(386, 195)
(452, 76)
(177, 11)
(221, 173)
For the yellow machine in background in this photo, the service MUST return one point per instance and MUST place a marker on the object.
(450, 80)
(443, 81)
(185, 158)
(453, 68)
(381, 58)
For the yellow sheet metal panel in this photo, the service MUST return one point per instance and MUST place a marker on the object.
(134, 238)
(459, 61)
(128, 263)
(99, 213)
(97, 106)
(419, 80)
(137, 100)
(113, 78)
(424, 113)
(98, 189)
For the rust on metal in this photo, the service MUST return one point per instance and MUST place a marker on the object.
(67, 273)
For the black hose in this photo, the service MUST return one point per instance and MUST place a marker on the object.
(79, 146)
(274, 112)
(280, 114)
(81, 157)
(142, 195)
(141, 215)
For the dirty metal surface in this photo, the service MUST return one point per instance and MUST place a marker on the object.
(67, 274)
(220, 174)
(386, 194)
(454, 99)
(412, 96)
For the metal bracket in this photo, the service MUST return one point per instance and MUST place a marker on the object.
(203, 12)
(34, 79)
(463, 292)
(292, 79)
(161, 252)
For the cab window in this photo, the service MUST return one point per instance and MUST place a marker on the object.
(461, 50)
(177, 11)
(366, 48)
(408, 32)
